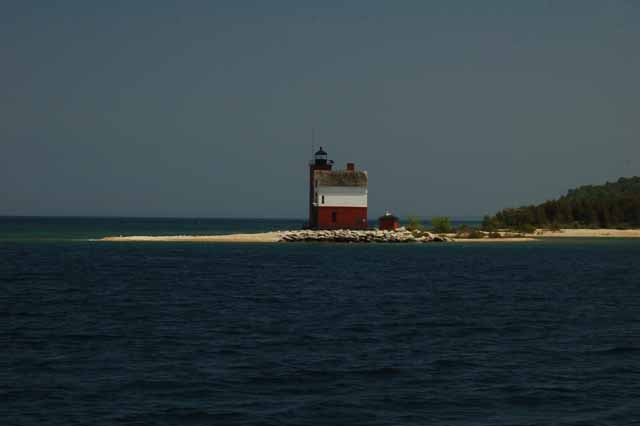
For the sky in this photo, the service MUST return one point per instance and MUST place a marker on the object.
(206, 109)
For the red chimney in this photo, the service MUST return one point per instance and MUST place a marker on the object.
(351, 167)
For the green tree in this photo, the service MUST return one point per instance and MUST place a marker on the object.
(541, 216)
(590, 215)
(604, 218)
(414, 224)
(616, 213)
(564, 212)
(490, 224)
(635, 213)
(614, 204)
(441, 224)
(463, 230)
(526, 228)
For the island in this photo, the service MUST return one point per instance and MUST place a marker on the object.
(611, 210)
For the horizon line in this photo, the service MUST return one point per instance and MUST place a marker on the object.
(6, 216)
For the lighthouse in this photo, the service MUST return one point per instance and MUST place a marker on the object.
(337, 198)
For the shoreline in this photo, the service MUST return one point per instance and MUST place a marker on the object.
(277, 237)
(496, 240)
(587, 233)
(262, 237)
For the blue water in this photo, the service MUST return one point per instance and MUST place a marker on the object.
(312, 334)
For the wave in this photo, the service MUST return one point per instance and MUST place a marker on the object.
(616, 350)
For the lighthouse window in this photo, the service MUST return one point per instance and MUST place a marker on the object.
(316, 183)
(334, 217)
(323, 199)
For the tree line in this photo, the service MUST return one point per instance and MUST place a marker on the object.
(612, 205)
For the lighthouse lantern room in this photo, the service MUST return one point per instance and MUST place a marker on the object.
(337, 198)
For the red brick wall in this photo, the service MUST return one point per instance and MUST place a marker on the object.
(346, 218)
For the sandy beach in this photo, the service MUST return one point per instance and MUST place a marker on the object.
(494, 240)
(541, 234)
(265, 237)
(588, 233)
(274, 237)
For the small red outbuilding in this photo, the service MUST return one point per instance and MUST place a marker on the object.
(388, 222)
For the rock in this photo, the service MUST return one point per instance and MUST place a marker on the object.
(361, 236)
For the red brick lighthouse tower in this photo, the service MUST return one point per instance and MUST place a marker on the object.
(337, 198)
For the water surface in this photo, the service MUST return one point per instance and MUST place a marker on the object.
(313, 334)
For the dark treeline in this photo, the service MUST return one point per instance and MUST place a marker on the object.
(613, 205)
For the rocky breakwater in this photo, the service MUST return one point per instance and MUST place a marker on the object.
(368, 236)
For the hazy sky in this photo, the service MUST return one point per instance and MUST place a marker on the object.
(205, 108)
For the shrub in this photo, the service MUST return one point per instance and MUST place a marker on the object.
(526, 228)
(441, 225)
(489, 223)
(463, 229)
(476, 234)
(414, 224)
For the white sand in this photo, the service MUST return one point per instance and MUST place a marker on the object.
(589, 233)
(265, 237)
(493, 240)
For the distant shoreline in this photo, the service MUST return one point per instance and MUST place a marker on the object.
(276, 236)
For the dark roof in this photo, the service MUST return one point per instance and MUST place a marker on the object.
(341, 178)
(388, 217)
(321, 152)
